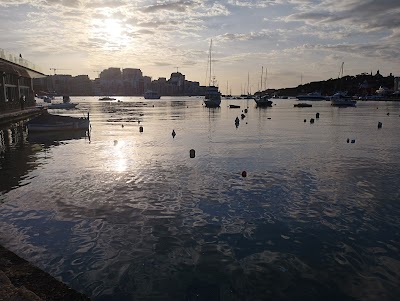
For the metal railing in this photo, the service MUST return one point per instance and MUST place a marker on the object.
(5, 55)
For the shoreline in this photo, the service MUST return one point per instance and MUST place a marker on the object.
(21, 280)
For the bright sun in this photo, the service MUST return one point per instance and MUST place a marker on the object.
(112, 28)
(110, 31)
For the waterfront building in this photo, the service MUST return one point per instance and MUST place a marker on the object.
(16, 86)
(396, 84)
(132, 79)
(81, 85)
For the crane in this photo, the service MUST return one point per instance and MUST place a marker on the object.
(55, 69)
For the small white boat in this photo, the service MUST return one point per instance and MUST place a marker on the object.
(149, 94)
(49, 122)
(66, 104)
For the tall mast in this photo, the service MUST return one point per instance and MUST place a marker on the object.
(248, 82)
(262, 71)
(210, 62)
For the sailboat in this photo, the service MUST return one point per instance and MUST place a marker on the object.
(263, 100)
(212, 97)
(340, 99)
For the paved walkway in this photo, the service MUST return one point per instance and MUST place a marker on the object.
(17, 115)
(21, 281)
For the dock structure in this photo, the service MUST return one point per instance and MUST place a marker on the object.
(16, 83)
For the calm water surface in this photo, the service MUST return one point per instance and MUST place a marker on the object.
(125, 215)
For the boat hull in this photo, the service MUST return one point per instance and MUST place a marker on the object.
(263, 102)
(212, 103)
(62, 106)
(302, 105)
(50, 123)
(316, 98)
(343, 103)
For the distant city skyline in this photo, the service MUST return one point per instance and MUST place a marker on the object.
(295, 40)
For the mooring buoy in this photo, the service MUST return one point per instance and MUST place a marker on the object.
(192, 153)
(173, 134)
(317, 115)
(312, 120)
(244, 174)
(141, 129)
(379, 125)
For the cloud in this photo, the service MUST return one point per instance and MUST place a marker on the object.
(244, 36)
(179, 6)
(252, 3)
(372, 50)
(366, 15)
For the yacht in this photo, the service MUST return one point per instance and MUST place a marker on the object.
(311, 96)
(212, 98)
(263, 101)
(340, 99)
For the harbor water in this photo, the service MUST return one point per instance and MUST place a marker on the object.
(124, 214)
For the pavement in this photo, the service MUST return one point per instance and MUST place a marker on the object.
(17, 115)
(22, 281)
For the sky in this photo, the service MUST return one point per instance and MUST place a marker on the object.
(292, 41)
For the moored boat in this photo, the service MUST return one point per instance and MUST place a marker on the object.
(66, 104)
(49, 122)
(107, 98)
(263, 101)
(149, 94)
(302, 105)
(311, 96)
(212, 98)
(340, 99)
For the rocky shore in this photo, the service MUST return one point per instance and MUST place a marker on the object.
(21, 281)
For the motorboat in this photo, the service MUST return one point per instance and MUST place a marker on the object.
(107, 98)
(263, 101)
(47, 122)
(149, 94)
(311, 96)
(340, 99)
(302, 105)
(66, 104)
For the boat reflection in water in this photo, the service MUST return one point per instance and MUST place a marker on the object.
(54, 138)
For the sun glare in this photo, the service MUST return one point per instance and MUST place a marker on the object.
(112, 28)
(111, 31)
